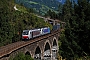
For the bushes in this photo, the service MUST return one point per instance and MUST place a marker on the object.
(21, 56)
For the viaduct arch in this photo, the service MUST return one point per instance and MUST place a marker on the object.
(37, 49)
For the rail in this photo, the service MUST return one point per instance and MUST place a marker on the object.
(4, 50)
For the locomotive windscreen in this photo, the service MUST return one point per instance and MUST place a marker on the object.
(25, 32)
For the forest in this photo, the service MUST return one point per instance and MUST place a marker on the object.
(13, 22)
(75, 38)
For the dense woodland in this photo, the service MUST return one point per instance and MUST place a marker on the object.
(13, 22)
(75, 39)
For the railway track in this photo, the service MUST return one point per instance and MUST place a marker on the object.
(4, 50)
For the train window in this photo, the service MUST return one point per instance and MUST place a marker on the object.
(25, 33)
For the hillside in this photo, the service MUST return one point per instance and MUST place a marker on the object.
(41, 6)
(14, 19)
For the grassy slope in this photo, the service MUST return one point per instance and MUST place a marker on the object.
(40, 6)
(21, 8)
(45, 8)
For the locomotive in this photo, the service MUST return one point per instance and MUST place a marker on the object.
(29, 34)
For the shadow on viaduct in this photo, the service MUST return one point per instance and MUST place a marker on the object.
(38, 47)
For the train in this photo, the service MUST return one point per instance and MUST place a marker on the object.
(29, 34)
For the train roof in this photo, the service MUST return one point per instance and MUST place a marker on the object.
(35, 29)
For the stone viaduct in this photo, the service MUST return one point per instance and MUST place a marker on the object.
(53, 21)
(35, 47)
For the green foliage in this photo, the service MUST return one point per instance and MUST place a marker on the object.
(76, 38)
(5, 33)
(21, 56)
(40, 6)
(13, 22)
(69, 48)
(48, 25)
(52, 14)
(28, 57)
